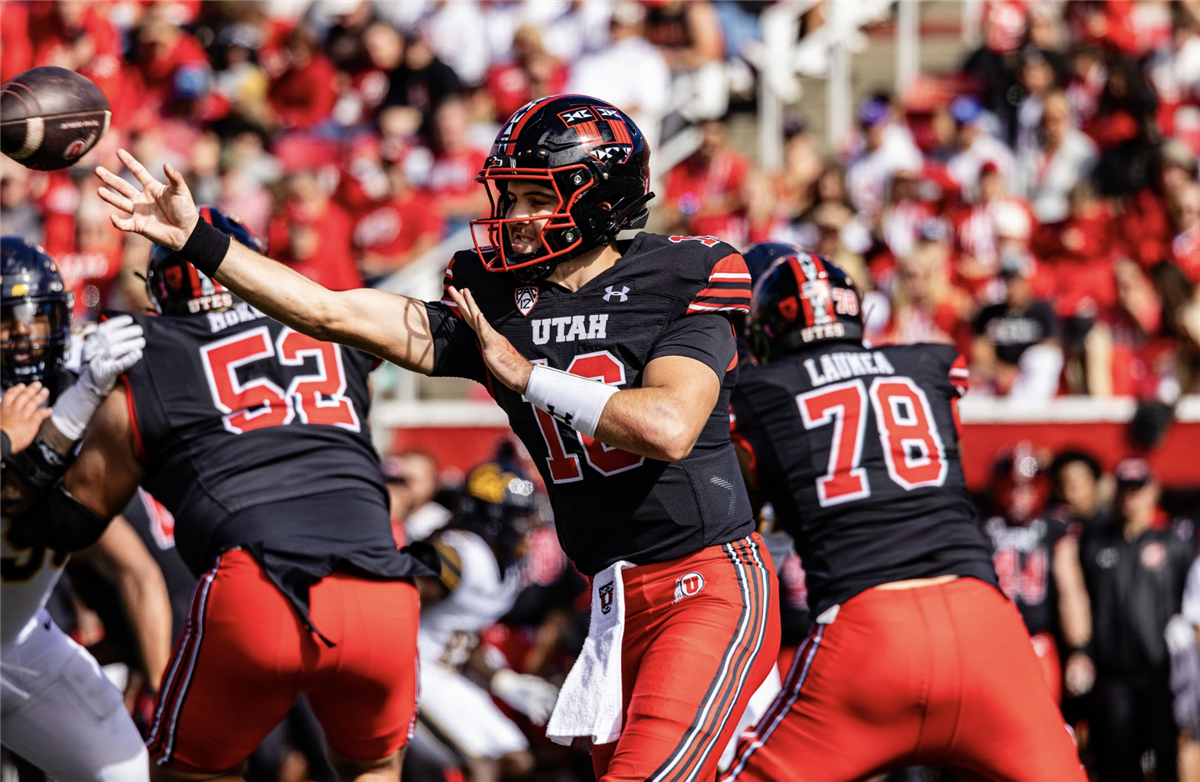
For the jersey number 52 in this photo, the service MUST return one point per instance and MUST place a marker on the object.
(912, 447)
(317, 398)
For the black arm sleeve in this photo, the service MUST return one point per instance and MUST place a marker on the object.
(59, 521)
(455, 348)
(707, 337)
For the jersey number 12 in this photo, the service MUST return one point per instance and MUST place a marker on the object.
(912, 447)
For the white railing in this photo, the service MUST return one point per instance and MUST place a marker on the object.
(825, 52)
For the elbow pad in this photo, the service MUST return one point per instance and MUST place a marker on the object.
(59, 522)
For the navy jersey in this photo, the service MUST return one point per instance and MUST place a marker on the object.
(249, 432)
(1023, 555)
(666, 296)
(857, 450)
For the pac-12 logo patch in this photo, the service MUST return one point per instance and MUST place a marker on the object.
(687, 585)
(606, 598)
(526, 297)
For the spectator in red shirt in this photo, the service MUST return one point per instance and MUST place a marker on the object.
(1128, 352)
(74, 35)
(1146, 223)
(312, 234)
(368, 84)
(1080, 251)
(91, 270)
(533, 73)
(58, 200)
(305, 93)
(398, 231)
(162, 49)
(976, 233)
(455, 162)
(16, 50)
(705, 190)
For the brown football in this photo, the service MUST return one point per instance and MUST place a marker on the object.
(50, 117)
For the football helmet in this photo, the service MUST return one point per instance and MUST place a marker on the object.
(500, 505)
(1020, 482)
(801, 301)
(594, 159)
(36, 306)
(761, 256)
(178, 288)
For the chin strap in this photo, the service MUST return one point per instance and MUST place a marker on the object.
(627, 218)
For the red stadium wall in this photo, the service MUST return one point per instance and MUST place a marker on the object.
(470, 433)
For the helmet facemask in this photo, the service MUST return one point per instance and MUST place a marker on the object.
(560, 237)
(33, 335)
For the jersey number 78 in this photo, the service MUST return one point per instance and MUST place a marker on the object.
(912, 447)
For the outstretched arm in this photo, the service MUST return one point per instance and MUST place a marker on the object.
(385, 324)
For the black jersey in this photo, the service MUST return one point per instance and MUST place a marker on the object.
(1134, 588)
(666, 296)
(857, 450)
(237, 418)
(1023, 555)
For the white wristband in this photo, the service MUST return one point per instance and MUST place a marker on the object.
(75, 408)
(576, 401)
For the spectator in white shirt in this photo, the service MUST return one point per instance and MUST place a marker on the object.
(888, 148)
(630, 72)
(976, 146)
(1065, 157)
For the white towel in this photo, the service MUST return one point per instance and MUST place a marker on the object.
(590, 702)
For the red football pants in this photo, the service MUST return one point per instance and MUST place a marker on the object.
(245, 656)
(940, 674)
(695, 650)
(1046, 651)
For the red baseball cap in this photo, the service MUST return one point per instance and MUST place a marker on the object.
(1134, 472)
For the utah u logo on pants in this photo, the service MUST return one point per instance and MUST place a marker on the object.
(606, 597)
(687, 585)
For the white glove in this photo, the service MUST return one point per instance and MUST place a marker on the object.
(113, 348)
(533, 696)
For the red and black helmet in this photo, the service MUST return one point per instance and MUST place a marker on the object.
(802, 301)
(1021, 482)
(178, 288)
(591, 154)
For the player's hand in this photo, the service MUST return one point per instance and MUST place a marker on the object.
(21, 413)
(533, 696)
(114, 347)
(164, 214)
(502, 359)
(1079, 674)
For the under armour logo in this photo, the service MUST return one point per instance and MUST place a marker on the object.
(566, 418)
(621, 294)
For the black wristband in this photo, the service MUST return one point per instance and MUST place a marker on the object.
(40, 465)
(206, 247)
(5, 446)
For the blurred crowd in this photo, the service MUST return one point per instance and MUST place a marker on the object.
(1039, 208)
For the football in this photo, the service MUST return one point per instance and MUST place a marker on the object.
(50, 117)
